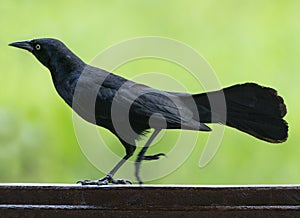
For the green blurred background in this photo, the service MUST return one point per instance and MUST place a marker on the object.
(242, 40)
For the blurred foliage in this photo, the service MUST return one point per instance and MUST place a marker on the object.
(243, 41)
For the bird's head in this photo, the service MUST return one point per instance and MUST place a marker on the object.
(52, 53)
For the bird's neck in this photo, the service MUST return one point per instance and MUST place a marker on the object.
(64, 66)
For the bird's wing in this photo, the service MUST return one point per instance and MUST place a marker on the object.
(146, 102)
(92, 98)
(117, 97)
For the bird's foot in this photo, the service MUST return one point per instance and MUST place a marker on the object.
(104, 181)
(153, 157)
(138, 164)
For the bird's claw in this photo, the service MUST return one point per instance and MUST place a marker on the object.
(153, 157)
(92, 182)
(104, 181)
(145, 157)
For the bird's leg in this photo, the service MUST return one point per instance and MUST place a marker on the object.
(141, 156)
(109, 177)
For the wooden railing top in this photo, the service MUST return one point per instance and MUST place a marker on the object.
(61, 200)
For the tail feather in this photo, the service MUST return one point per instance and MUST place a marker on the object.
(251, 108)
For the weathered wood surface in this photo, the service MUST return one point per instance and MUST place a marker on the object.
(48, 200)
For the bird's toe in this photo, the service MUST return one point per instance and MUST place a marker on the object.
(153, 157)
(108, 179)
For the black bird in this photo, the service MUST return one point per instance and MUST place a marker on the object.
(129, 109)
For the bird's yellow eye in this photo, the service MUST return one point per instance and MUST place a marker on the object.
(37, 47)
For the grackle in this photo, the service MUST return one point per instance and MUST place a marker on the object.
(129, 109)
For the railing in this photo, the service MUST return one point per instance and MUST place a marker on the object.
(43, 200)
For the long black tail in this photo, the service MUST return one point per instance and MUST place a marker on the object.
(251, 108)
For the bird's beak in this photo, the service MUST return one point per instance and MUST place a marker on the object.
(23, 45)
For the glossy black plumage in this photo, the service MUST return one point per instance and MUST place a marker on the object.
(106, 99)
